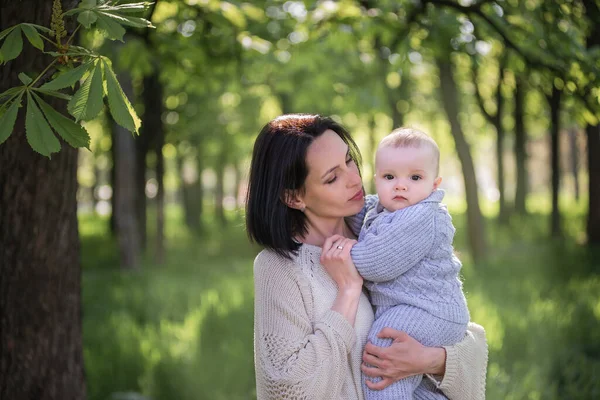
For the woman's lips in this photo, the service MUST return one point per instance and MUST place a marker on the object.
(359, 195)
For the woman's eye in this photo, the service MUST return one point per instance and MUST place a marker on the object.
(331, 180)
(415, 177)
(348, 161)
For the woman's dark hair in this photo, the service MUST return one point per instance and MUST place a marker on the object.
(279, 165)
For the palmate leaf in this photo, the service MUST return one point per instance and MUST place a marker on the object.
(23, 77)
(120, 108)
(38, 132)
(72, 132)
(128, 21)
(113, 29)
(125, 8)
(7, 120)
(33, 36)
(68, 78)
(87, 18)
(87, 102)
(11, 92)
(12, 46)
(53, 93)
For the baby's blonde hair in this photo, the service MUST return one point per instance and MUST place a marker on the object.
(410, 137)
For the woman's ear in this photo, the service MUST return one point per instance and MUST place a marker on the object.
(291, 199)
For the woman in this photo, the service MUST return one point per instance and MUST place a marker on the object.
(304, 205)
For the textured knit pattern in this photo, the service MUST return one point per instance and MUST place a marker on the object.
(425, 328)
(407, 258)
(304, 350)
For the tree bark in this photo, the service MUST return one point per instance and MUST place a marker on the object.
(520, 148)
(189, 198)
(40, 272)
(372, 150)
(554, 101)
(126, 223)
(574, 161)
(113, 184)
(593, 220)
(450, 101)
(160, 197)
(220, 187)
(593, 139)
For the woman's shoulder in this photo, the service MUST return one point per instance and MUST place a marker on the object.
(272, 266)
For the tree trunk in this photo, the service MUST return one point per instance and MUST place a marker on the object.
(372, 150)
(189, 198)
(593, 221)
(520, 148)
(554, 100)
(450, 100)
(160, 197)
(220, 187)
(593, 139)
(574, 161)
(40, 272)
(128, 233)
(113, 184)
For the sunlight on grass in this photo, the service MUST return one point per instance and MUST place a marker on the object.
(183, 331)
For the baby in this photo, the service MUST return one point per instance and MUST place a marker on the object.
(404, 253)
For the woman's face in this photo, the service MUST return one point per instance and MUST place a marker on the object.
(333, 187)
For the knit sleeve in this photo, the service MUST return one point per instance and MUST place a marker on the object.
(355, 221)
(396, 244)
(466, 366)
(295, 358)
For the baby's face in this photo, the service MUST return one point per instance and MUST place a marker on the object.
(404, 176)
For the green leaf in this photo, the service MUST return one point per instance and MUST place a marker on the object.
(12, 46)
(38, 132)
(72, 132)
(24, 78)
(7, 31)
(33, 36)
(53, 93)
(67, 79)
(128, 21)
(7, 120)
(87, 18)
(88, 4)
(10, 92)
(125, 8)
(114, 30)
(87, 102)
(38, 27)
(121, 109)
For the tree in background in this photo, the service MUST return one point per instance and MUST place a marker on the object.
(40, 307)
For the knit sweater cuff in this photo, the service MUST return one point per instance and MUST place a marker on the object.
(452, 367)
(340, 325)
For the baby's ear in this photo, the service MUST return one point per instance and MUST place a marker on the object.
(437, 182)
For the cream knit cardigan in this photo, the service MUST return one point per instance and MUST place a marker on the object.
(304, 350)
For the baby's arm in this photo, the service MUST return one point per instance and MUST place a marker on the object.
(355, 221)
(397, 245)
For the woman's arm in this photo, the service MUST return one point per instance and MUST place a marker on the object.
(296, 357)
(463, 366)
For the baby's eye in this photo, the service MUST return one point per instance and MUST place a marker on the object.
(416, 177)
(388, 177)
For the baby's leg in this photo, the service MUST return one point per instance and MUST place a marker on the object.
(402, 389)
(428, 391)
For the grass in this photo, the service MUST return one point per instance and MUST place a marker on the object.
(184, 330)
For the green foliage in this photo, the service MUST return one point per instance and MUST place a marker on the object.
(38, 132)
(87, 102)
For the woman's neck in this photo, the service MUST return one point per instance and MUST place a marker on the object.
(320, 229)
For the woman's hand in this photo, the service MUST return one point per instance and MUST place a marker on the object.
(337, 261)
(404, 357)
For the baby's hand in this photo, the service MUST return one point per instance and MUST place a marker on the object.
(337, 261)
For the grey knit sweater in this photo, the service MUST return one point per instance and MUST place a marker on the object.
(406, 257)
